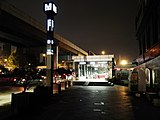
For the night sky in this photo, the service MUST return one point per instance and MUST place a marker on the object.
(94, 25)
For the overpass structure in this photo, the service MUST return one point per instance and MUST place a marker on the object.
(26, 34)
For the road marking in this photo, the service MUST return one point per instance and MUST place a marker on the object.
(101, 103)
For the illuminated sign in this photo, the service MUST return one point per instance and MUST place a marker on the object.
(98, 58)
(50, 25)
(50, 7)
(82, 63)
(50, 42)
(49, 52)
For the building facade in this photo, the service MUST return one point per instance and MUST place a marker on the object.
(94, 66)
(148, 34)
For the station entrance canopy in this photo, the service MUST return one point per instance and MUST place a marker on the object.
(94, 67)
(99, 58)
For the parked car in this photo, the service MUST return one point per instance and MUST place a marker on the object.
(64, 73)
(59, 74)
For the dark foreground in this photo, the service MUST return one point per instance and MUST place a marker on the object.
(93, 103)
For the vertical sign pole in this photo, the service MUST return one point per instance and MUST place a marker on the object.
(50, 10)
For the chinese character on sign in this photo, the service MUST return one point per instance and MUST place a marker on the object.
(50, 7)
(49, 52)
(50, 25)
(50, 42)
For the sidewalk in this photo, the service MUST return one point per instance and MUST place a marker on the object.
(93, 103)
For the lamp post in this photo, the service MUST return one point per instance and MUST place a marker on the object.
(44, 58)
(50, 10)
(5, 62)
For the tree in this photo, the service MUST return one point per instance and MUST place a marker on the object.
(13, 60)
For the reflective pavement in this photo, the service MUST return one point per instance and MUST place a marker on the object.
(94, 103)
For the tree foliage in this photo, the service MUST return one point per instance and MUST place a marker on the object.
(13, 60)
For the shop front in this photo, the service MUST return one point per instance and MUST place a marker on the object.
(147, 76)
(94, 67)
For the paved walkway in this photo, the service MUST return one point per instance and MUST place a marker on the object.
(94, 103)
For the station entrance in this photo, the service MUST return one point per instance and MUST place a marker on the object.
(94, 67)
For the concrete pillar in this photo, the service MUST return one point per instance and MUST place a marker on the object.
(73, 66)
(79, 70)
(151, 78)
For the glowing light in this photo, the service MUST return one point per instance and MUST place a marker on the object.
(50, 7)
(50, 42)
(44, 55)
(103, 52)
(5, 60)
(50, 25)
(118, 69)
(49, 52)
(124, 62)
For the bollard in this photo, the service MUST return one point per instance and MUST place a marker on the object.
(22, 102)
(62, 86)
(56, 88)
(66, 84)
(59, 88)
(69, 83)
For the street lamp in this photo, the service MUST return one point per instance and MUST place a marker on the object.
(44, 55)
(5, 60)
(44, 58)
(103, 52)
(124, 62)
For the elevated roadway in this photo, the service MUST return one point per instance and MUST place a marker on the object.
(21, 30)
